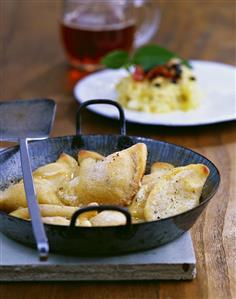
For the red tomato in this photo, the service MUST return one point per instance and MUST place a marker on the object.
(159, 71)
(138, 74)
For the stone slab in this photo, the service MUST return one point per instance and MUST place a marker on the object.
(175, 260)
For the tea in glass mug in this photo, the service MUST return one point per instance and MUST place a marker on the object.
(92, 28)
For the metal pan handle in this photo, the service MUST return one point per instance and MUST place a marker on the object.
(101, 101)
(100, 209)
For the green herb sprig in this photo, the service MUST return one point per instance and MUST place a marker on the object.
(147, 57)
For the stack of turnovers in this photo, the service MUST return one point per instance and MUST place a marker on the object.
(68, 184)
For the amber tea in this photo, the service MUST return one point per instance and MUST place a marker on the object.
(86, 46)
(90, 29)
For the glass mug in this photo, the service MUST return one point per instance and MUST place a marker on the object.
(92, 28)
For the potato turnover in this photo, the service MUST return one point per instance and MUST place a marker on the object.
(47, 179)
(177, 191)
(114, 179)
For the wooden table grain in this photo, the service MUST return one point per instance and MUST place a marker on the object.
(32, 64)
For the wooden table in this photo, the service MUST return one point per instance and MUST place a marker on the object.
(32, 64)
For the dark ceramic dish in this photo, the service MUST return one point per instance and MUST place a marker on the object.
(103, 240)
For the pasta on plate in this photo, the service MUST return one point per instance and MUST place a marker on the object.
(164, 89)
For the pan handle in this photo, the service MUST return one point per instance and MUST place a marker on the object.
(101, 101)
(100, 209)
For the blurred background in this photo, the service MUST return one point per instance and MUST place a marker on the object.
(33, 60)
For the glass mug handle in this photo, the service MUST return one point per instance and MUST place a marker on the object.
(148, 21)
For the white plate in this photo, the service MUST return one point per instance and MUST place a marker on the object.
(216, 81)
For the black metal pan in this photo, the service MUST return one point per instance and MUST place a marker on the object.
(103, 240)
